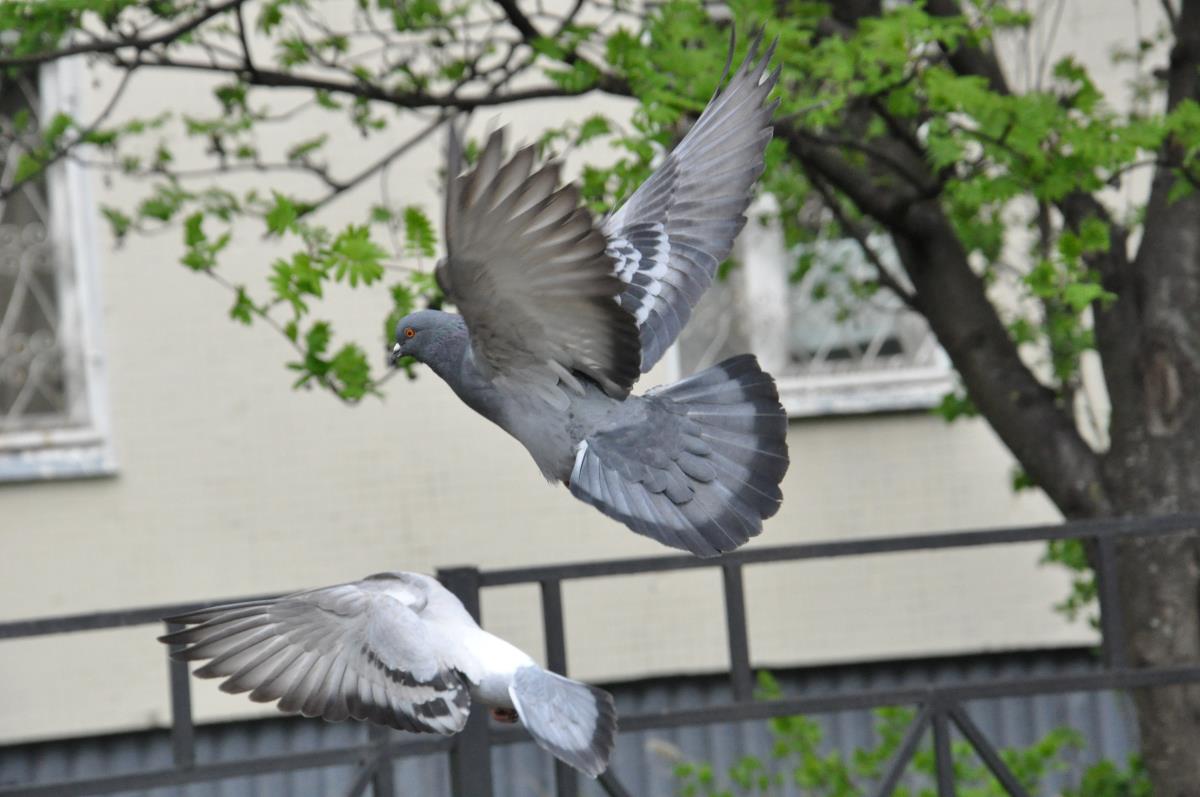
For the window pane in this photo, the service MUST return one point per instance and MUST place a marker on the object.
(33, 385)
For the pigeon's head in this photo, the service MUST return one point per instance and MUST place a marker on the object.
(421, 335)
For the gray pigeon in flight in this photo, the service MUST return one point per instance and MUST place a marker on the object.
(559, 317)
(395, 649)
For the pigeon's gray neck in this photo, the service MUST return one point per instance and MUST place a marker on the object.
(445, 353)
(451, 357)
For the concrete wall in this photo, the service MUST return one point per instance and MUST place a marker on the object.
(231, 483)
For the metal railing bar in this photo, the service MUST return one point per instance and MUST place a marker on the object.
(1101, 528)
(877, 698)
(984, 749)
(611, 785)
(471, 755)
(566, 782)
(552, 626)
(141, 781)
(904, 754)
(117, 618)
(1098, 529)
(183, 732)
(943, 756)
(1157, 676)
(737, 635)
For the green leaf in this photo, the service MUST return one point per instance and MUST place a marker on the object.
(577, 78)
(243, 309)
(316, 340)
(954, 406)
(1079, 295)
(419, 237)
(119, 223)
(193, 231)
(27, 166)
(282, 215)
(305, 148)
(351, 369)
(354, 256)
(592, 127)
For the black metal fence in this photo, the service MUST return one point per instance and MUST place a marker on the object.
(939, 706)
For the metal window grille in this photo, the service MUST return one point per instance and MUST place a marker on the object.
(832, 347)
(34, 385)
(52, 414)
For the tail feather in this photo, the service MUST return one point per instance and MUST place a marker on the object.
(572, 721)
(702, 469)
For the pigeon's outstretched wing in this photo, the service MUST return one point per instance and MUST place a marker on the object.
(671, 235)
(528, 271)
(361, 650)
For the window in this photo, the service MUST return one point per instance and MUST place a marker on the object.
(53, 419)
(830, 350)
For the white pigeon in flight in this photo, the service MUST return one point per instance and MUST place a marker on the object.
(395, 649)
(559, 316)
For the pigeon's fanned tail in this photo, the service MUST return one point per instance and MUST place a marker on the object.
(702, 470)
(572, 721)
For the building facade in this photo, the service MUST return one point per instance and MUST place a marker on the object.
(162, 456)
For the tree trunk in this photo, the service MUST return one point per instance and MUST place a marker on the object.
(1148, 340)
(1153, 465)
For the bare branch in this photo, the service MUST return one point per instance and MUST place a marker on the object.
(1172, 14)
(112, 46)
(382, 163)
(967, 60)
(414, 99)
(883, 204)
(859, 234)
(241, 27)
(518, 19)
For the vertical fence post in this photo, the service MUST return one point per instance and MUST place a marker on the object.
(1112, 624)
(383, 780)
(471, 756)
(741, 677)
(183, 733)
(566, 783)
(943, 756)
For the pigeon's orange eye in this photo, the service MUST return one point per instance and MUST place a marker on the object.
(409, 332)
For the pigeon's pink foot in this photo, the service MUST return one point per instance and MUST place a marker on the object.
(504, 714)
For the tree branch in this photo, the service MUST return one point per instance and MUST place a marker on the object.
(953, 299)
(1024, 413)
(111, 46)
(271, 78)
(518, 19)
(375, 167)
(68, 149)
(969, 60)
(241, 28)
(860, 235)
(881, 203)
(1171, 13)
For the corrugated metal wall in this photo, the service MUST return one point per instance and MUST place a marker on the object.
(643, 761)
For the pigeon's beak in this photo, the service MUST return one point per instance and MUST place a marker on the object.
(395, 355)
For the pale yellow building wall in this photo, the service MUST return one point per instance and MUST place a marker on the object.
(230, 483)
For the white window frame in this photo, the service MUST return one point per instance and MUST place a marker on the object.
(83, 449)
(759, 250)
